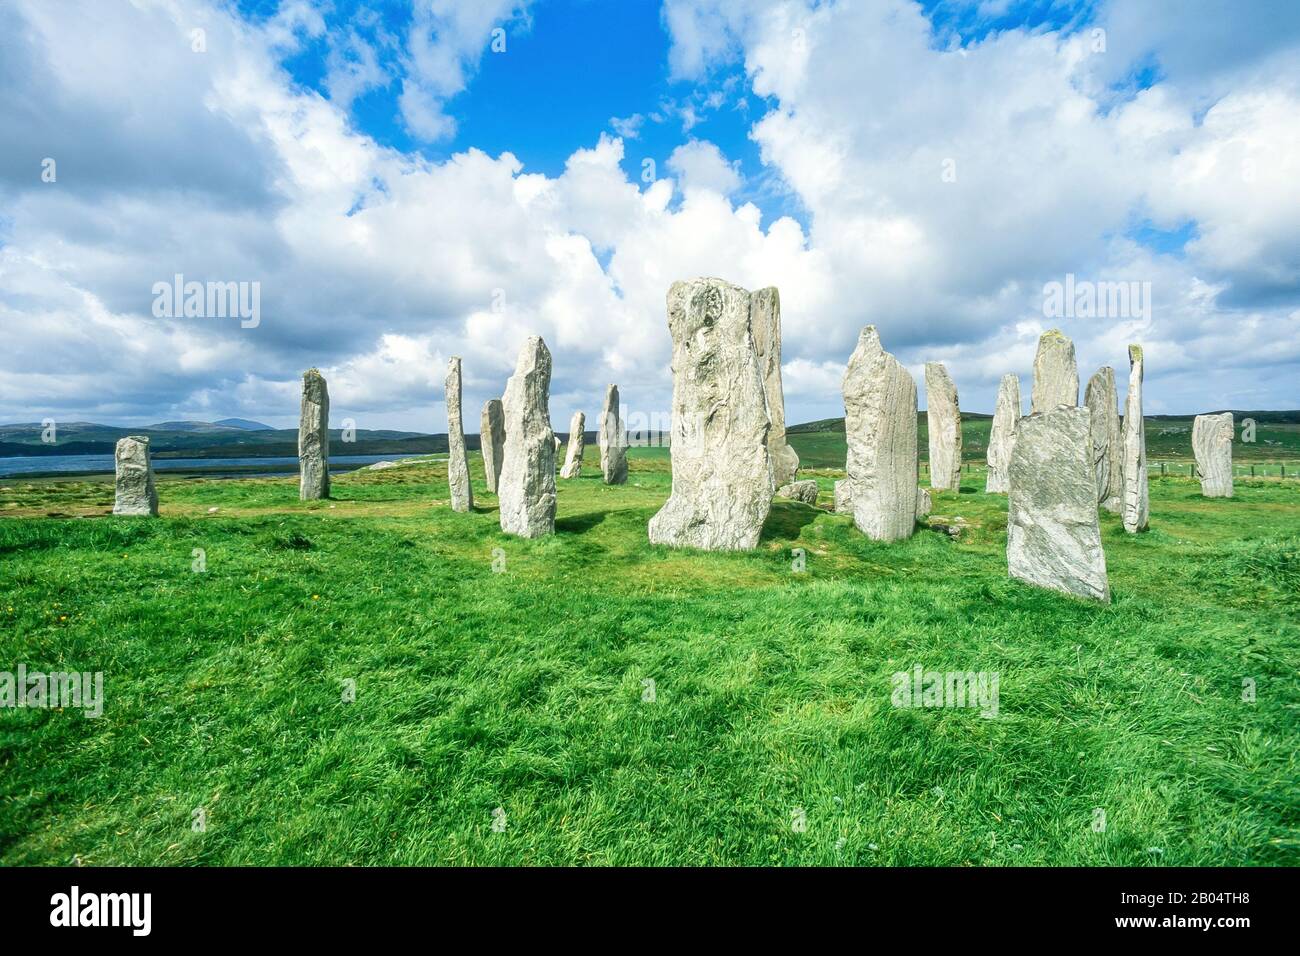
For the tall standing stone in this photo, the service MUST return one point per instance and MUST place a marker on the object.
(722, 471)
(612, 440)
(1102, 400)
(526, 489)
(1056, 373)
(1053, 535)
(1137, 501)
(943, 417)
(577, 445)
(1212, 444)
(880, 428)
(1002, 435)
(134, 492)
(462, 492)
(492, 439)
(314, 438)
(765, 323)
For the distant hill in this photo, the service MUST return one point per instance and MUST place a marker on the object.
(244, 423)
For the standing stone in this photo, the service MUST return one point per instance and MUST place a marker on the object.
(1137, 501)
(462, 492)
(134, 490)
(1002, 435)
(492, 439)
(943, 417)
(805, 491)
(1212, 443)
(843, 497)
(557, 444)
(577, 445)
(526, 489)
(1107, 444)
(1056, 374)
(765, 323)
(923, 503)
(612, 440)
(722, 471)
(880, 428)
(1053, 535)
(314, 438)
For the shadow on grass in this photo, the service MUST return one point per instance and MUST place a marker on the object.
(577, 524)
(787, 519)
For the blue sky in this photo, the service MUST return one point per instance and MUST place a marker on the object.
(928, 167)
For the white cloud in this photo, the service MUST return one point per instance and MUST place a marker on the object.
(699, 164)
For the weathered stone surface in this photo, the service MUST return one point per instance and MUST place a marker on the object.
(314, 438)
(612, 440)
(1137, 501)
(492, 440)
(765, 324)
(880, 428)
(805, 491)
(1056, 373)
(924, 505)
(843, 497)
(1002, 435)
(557, 443)
(462, 492)
(943, 417)
(1212, 443)
(577, 445)
(1053, 534)
(722, 471)
(526, 489)
(134, 490)
(1102, 400)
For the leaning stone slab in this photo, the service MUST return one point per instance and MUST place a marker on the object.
(462, 492)
(805, 491)
(1056, 373)
(134, 492)
(492, 439)
(880, 428)
(1002, 435)
(314, 438)
(1137, 501)
(722, 471)
(1212, 443)
(577, 445)
(943, 417)
(1107, 442)
(765, 323)
(1053, 534)
(924, 505)
(526, 489)
(612, 440)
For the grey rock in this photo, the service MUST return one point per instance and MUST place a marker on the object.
(943, 418)
(805, 491)
(577, 445)
(722, 471)
(1053, 534)
(314, 438)
(1136, 498)
(612, 440)
(526, 489)
(843, 497)
(924, 505)
(765, 324)
(880, 428)
(1056, 373)
(1002, 435)
(1212, 444)
(134, 492)
(462, 492)
(492, 440)
(1102, 400)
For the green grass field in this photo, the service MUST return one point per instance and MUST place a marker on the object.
(522, 687)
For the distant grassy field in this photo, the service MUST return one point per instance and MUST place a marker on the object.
(524, 688)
